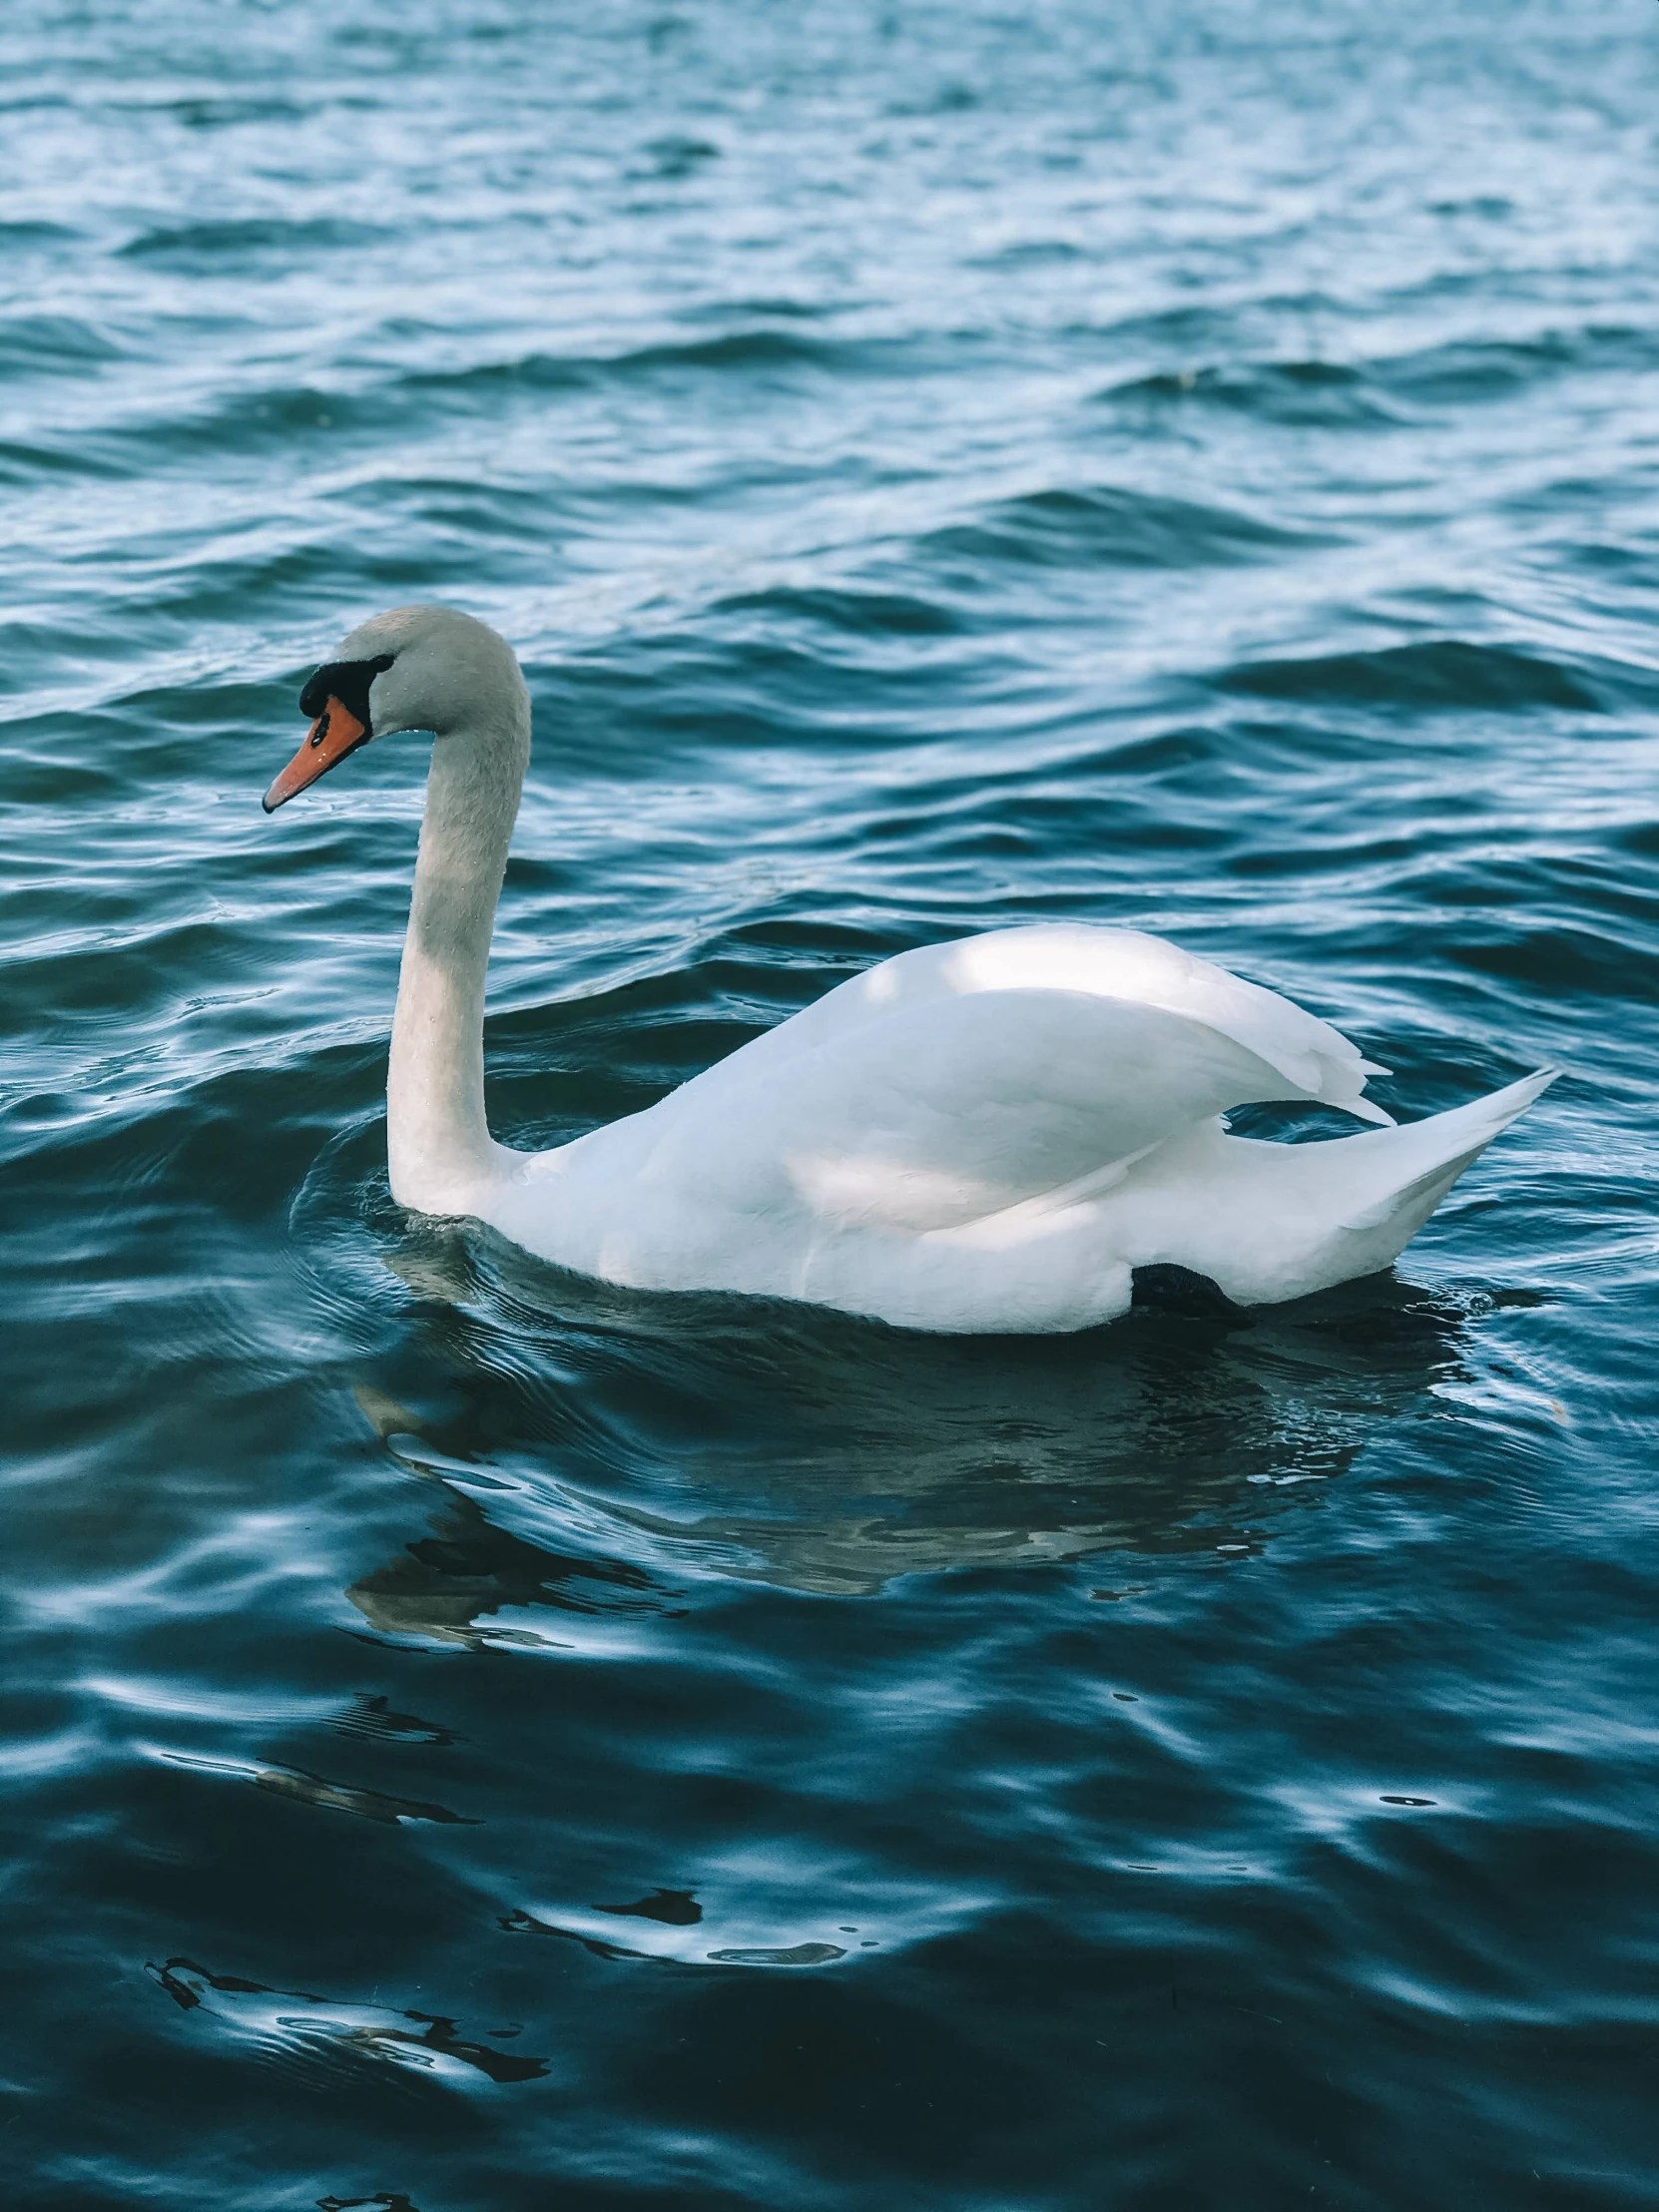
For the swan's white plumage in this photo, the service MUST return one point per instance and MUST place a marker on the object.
(989, 1135)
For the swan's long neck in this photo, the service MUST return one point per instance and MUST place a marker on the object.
(437, 1138)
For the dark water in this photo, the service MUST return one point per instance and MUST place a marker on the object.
(474, 1741)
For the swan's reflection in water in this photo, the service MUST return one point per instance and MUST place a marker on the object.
(602, 1451)
(453, 1584)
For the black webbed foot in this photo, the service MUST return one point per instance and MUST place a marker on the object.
(1169, 1288)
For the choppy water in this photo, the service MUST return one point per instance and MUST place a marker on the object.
(473, 1741)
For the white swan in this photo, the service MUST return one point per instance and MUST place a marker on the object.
(988, 1135)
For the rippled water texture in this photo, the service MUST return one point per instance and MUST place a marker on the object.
(477, 1742)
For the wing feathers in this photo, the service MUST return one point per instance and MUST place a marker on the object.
(1118, 964)
(943, 1110)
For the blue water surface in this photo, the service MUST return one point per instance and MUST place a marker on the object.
(478, 1742)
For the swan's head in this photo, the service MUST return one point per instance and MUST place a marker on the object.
(416, 668)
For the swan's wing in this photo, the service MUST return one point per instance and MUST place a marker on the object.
(1120, 965)
(949, 1107)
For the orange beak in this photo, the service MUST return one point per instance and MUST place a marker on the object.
(335, 732)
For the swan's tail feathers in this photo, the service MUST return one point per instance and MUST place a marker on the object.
(1423, 1159)
(1377, 1190)
(1269, 1222)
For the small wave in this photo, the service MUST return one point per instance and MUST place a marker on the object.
(1031, 253)
(1491, 204)
(1110, 527)
(1492, 368)
(861, 613)
(1390, 389)
(245, 420)
(736, 351)
(53, 342)
(25, 464)
(191, 242)
(1446, 673)
(676, 154)
(200, 113)
(1293, 392)
(760, 306)
(26, 233)
(481, 511)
